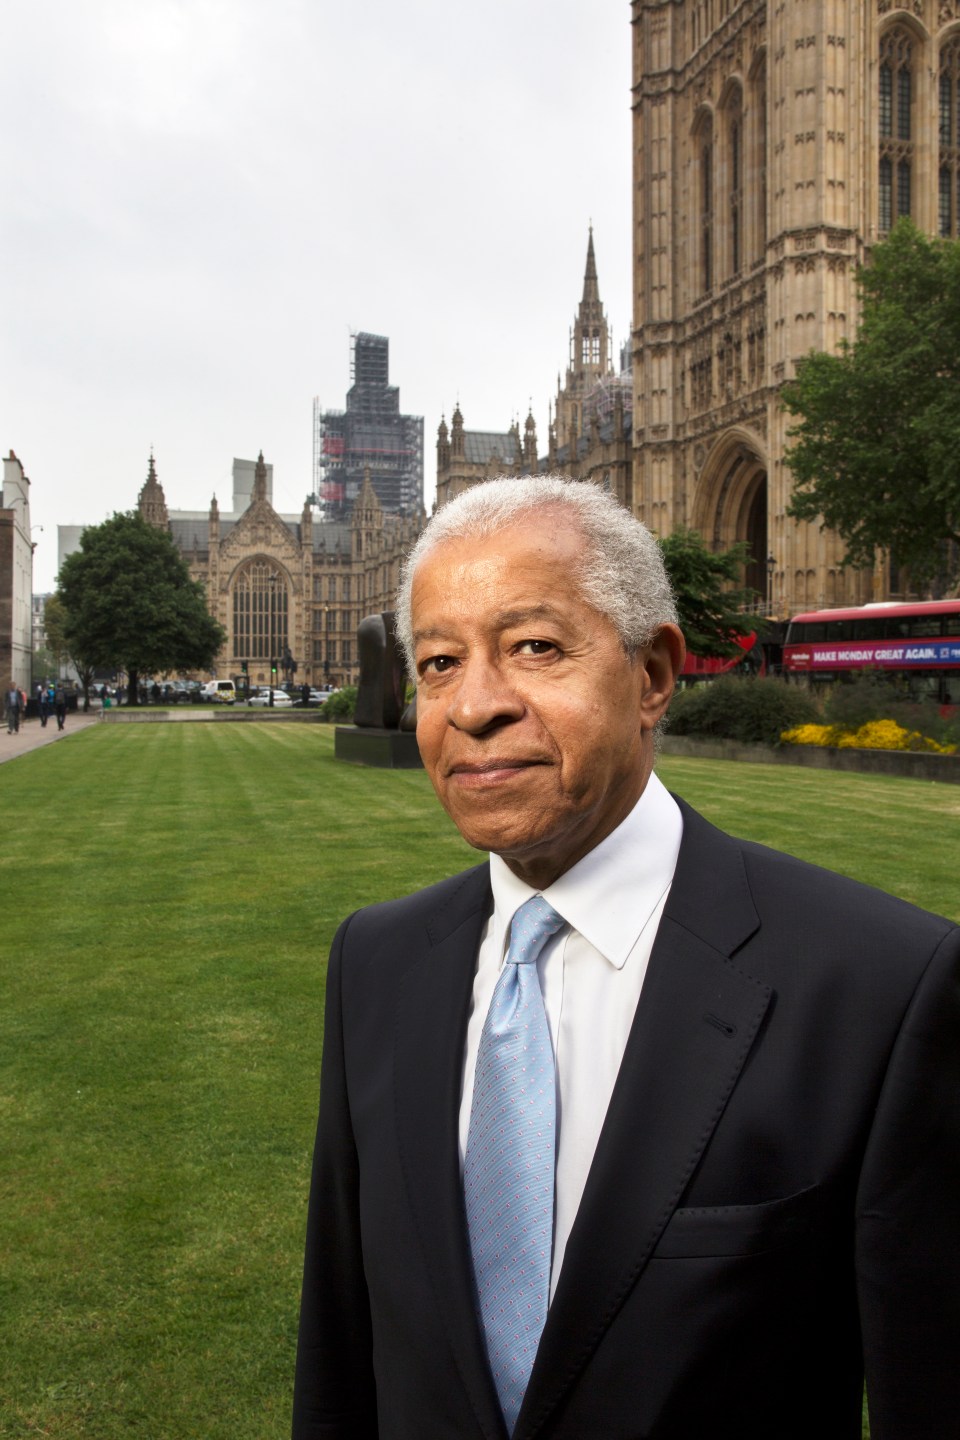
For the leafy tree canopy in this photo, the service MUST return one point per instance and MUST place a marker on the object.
(711, 605)
(55, 628)
(130, 602)
(55, 622)
(876, 446)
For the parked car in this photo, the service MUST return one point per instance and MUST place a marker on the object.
(281, 700)
(221, 692)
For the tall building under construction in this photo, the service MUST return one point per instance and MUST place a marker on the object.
(370, 435)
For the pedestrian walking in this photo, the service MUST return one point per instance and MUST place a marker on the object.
(43, 705)
(13, 704)
(60, 705)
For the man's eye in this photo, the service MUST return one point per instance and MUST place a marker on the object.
(535, 647)
(437, 665)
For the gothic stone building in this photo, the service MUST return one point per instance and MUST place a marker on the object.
(775, 141)
(286, 584)
(590, 435)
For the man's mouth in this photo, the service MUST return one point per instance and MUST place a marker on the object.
(490, 769)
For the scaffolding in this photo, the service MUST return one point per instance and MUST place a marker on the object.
(369, 435)
(603, 397)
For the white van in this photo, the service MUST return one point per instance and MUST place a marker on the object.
(221, 692)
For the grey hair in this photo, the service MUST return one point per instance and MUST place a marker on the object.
(622, 574)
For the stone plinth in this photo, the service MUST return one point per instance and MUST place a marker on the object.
(370, 745)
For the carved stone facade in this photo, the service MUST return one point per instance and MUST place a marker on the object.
(283, 584)
(774, 142)
(467, 457)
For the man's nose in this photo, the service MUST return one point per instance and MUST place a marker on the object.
(483, 697)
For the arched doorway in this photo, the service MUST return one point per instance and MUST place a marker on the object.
(754, 528)
(730, 503)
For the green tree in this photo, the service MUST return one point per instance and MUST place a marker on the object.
(710, 602)
(130, 603)
(55, 627)
(876, 446)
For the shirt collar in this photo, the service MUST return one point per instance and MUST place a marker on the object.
(610, 894)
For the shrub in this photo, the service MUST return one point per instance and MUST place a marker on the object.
(875, 735)
(748, 710)
(341, 704)
(856, 703)
(852, 703)
(812, 735)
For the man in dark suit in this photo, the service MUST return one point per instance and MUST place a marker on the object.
(751, 1121)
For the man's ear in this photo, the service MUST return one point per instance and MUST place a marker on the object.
(662, 661)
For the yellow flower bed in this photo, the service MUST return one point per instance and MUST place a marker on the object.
(811, 735)
(876, 735)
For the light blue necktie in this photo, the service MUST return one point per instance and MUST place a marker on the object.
(508, 1174)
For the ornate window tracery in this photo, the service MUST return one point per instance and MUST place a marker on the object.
(895, 111)
(948, 200)
(260, 611)
(703, 148)
(760, 109)
(735, 186)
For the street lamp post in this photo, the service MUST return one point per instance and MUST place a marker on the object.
(273, 623)
(771, 566)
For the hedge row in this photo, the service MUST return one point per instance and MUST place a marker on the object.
(753, 711)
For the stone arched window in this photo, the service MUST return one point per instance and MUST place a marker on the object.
(703, 152)
(948, 199)
(260, 611)
(758, 201)
(895, 111)
(733, 117)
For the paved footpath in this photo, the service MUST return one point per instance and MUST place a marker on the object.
(32, 734)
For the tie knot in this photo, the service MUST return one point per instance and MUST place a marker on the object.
(530, 929)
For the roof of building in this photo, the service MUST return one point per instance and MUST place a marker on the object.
(480, 446)
(191, 529)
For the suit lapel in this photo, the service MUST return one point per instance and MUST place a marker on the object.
(430, 1036)
(695, 1023)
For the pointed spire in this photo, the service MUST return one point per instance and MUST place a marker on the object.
(443, 444)
(260, 479)
(457, 441)
(530, 440)
(367, 499)
(152, 502)
(591, 286)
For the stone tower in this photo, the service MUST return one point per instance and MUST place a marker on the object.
(774, 142)
(589, 357)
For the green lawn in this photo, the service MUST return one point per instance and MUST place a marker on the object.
(171, 891)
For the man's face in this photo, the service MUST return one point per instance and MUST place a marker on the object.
(534, 725)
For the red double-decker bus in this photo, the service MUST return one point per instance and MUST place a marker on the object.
(917, 644)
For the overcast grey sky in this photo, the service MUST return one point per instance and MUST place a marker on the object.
(201, 199)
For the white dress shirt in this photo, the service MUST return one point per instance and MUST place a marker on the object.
(591, 973)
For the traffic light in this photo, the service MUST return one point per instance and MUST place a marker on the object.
(243, 667)
(273, 669)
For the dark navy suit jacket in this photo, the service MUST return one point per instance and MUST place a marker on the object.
(774, 1200)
